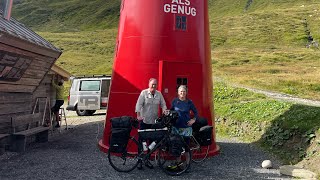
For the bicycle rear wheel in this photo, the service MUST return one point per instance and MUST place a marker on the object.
(125, 161)
(199, 153)
(173, 165)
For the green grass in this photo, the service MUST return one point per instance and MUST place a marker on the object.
(85, 52)
(282, 127)
(71, 15)
(243, 105)
(262, 47)
(269, 37)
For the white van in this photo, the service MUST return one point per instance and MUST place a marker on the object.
(88, 94)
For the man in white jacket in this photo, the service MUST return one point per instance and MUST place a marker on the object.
(147, 108)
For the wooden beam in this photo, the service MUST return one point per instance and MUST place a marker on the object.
(33, 73)
(13, 41)
(45, 62)
(16, 88)
(23, 81)
(10, 98)
(14, 49)
(6, 109)
(58, 70)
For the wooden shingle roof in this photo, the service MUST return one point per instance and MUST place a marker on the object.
(20, 31)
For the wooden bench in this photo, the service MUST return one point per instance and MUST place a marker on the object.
(24, 126)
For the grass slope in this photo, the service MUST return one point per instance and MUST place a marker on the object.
(88, 52)
(264, 39)
(291, 131)
(70, 15)
(265, 46)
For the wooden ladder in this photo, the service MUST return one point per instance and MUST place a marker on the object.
(46, 107)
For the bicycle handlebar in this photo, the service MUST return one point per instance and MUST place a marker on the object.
(167, 119)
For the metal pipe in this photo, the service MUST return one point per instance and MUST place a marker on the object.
(7, 9)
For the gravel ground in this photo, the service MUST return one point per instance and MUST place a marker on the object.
(73, 154)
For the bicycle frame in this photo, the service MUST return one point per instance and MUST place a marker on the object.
(141, 154)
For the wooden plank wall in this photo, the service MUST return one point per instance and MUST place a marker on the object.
(13, 104)
(32, 76)
(45, 89)
(19, 97)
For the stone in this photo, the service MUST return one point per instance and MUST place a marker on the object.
(266, 164)
(297, 172)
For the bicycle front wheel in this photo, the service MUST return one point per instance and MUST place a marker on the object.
(172, 164)
(125, 161)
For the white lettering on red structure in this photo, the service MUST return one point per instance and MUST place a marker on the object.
(180, 7)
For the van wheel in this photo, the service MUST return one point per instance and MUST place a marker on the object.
(82, 112)
(91, 112)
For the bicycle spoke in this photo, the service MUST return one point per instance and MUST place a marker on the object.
(200, 154)
(125, 161)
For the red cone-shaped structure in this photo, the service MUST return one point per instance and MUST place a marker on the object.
(164, 39)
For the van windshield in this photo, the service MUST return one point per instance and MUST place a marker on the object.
(90, 85)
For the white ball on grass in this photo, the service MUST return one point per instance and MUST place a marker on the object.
(266, 164)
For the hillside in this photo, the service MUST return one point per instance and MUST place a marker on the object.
(268, 42)
(67, 16)
(250, 38)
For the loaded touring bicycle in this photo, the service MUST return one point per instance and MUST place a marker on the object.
(171, 152)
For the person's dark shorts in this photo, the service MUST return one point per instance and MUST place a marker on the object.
(57, 106)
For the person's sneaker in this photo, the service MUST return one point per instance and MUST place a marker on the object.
(148, 164)
(139, 165)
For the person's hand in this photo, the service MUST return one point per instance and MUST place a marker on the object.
(165, 112)
(191, 121)
(140, 118)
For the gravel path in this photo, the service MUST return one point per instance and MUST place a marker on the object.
(274, 95)
(73, 154)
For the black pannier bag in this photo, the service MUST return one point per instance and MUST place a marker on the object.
(177, 144)
(204, 136)
(119, 139)
(120, 133)
(121, 122)
(152, 134)
(200, 122)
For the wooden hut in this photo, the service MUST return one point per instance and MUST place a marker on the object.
(25, 62)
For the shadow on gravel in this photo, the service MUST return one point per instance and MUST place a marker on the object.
(74, 154)
(289, 135)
